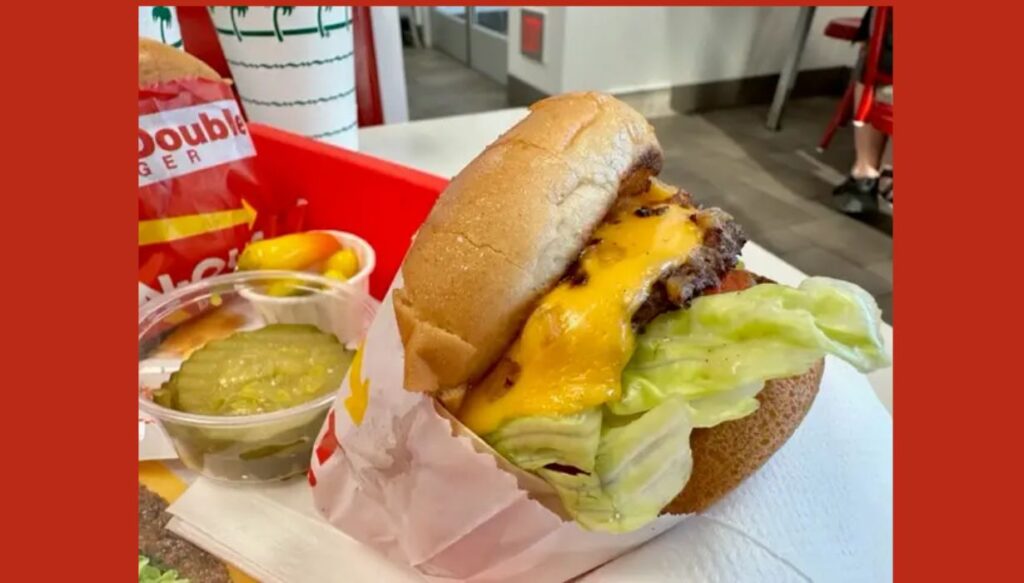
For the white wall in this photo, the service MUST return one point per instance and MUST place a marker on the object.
(546, 76)
(733, 43)
(625, 49)
(619, 48)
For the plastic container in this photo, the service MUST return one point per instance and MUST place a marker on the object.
(364, 252)
(334, 316)
(248, 448)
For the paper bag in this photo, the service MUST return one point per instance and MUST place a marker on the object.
(394, 472)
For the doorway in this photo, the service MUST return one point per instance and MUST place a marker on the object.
(476, 36)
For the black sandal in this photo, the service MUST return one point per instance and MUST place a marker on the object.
(856, 195)
(885, 185)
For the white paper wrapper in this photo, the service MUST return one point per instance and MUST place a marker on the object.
(160, 23)
(404, 485)
(294, 67)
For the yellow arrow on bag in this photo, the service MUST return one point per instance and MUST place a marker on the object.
(174, 228)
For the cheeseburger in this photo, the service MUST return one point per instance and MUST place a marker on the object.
(593, 325)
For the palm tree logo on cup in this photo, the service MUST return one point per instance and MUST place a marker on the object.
(326, 31)
(320, 20)
(162, 14)
(286, 10)
(322, 29)
(241, 11)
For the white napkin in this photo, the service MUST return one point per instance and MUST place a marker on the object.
(820, 509)
(274, 534)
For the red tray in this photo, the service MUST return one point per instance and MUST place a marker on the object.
(380, 201)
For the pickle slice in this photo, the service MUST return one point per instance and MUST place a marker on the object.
(259, 371)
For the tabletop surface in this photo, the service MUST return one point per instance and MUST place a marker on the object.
(443, 146)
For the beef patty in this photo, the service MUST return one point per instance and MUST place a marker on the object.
(703, 270)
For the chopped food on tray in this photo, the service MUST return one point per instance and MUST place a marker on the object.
(164, 557)
(150, 574)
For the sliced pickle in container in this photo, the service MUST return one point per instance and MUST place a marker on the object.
(248, 373)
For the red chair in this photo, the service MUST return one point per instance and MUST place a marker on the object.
(842, 29)
(868, 110)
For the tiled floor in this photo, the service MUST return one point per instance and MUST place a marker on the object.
(774, 183)
(438, 85)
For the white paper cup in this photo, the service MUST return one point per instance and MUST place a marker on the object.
(160, 23)
(334, 316)
(294, 67)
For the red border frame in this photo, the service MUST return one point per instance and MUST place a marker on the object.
(70, 243)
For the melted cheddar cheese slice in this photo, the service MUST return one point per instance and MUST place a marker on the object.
(570, 353)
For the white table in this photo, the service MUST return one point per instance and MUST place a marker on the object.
(443, 146)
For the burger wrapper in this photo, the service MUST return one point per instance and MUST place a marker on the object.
(410, 481)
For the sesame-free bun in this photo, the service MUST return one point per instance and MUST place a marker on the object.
(726, 454)
(159, 63)
(507, 228)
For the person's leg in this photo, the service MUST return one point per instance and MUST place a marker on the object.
(869, 145)
(885, 182)
(859, 192)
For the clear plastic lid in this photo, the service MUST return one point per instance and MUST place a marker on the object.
(274, 441)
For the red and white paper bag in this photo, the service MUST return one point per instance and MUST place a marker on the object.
(394, 471)
(199, 198)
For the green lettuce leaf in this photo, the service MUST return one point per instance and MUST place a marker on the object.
(696, 367)
(714, 352)
(635, 469)
(150, 574)
(534, 442)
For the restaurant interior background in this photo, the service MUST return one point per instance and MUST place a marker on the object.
(705, 76)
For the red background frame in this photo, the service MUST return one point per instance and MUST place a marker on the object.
(70, 243)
